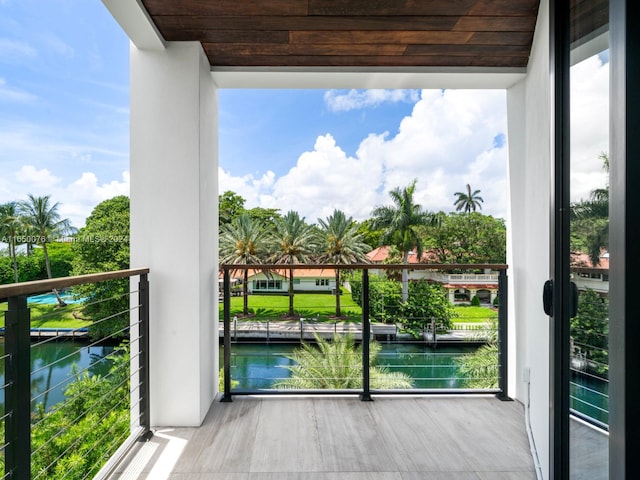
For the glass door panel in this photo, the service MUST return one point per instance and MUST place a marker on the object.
(589, 257)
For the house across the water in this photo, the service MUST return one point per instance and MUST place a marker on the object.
(461, 287)
(277, 281)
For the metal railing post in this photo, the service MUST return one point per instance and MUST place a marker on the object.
(143, 316)
(227, 335)
(503, 336)
(18, 391)
(365, 396)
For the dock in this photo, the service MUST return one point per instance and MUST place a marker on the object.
(308, 329)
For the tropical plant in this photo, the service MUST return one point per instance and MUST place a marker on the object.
(10, 225)
(590, 220)
(399, 223)
(426, 301)
(468, 238)
(230, 205)
(468, 202)
(479, 369)
(590, 331)
(102, 245)
(46, 223)
(292, 241)
(338, 365)
(76, 438)
(242, 242)
(341, 244)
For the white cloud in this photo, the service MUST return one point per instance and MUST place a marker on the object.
(337, 100)
(446, 142)
(77, 198)
(589, 126)
(31, 177)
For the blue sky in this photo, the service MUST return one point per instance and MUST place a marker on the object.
(64, 127)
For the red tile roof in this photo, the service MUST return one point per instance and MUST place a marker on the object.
(583, 260)
(380, 254)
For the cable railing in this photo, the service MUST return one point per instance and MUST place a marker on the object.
(589, 361)
(269, 349)
(75, 379)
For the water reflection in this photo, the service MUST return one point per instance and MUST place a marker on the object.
(52, 365)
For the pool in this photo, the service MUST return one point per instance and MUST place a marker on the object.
(50, 299)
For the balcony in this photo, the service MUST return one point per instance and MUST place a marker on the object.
(405, 438)
(416, 433)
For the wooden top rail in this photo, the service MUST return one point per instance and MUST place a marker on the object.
(39, 286)
(368, 266)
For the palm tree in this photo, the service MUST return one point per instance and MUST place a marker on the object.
(45, 221)
(595, 216)
(341, 244)
(10, 225)
(468, 201)
(338, 365)
(292, 241)
(242, 242)
(399, 223)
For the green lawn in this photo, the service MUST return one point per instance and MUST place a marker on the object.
(50, 316)
(323, 307)
(468, 314)
(307, 305)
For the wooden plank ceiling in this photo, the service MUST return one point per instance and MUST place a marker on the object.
(325, 33)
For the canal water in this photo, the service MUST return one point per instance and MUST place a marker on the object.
(257, 366)
(52, 367)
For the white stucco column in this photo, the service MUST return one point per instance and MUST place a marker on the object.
(174, 198)
(528, 227)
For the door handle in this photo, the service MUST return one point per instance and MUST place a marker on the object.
(574, 300)
(547, 297)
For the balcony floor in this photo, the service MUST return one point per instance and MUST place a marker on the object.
(342, 438)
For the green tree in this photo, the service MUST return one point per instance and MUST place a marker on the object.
(75, 439)
(469, 238)
(102, 245)
(46, 223)
(338, 365)
(230, 205)
(292, 241)
(266, 216)
(370, 235)
(29, 269)
(590, 331)
(400, 223)
(10, 227)
(60, 257)
(426, 301)
(243, 242)
(469, 201)
(341, 244)
(590, 220)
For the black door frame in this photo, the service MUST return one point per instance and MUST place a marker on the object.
(624, 241)
(559, 242)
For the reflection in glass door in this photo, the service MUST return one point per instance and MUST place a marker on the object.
(588, 387)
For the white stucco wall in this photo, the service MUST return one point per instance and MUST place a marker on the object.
(174, 188)
(528, 227)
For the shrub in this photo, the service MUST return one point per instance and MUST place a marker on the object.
(338, 365)
(475, 301)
